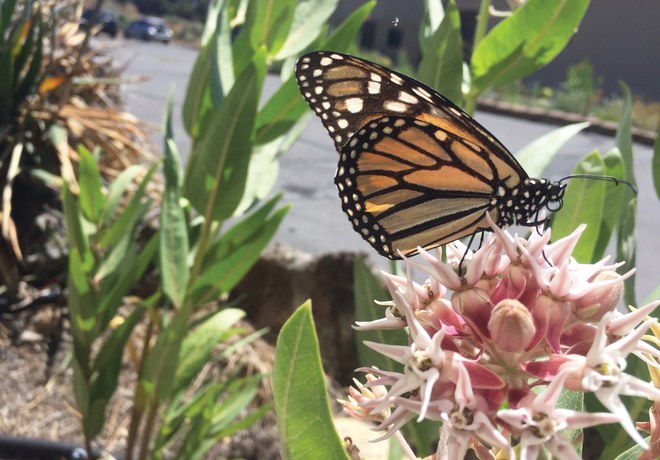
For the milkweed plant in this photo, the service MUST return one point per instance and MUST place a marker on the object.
(496, 339)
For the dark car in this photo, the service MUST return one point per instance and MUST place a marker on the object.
(106, 18)
(149, 28)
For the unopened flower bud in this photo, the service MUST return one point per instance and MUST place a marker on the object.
(511, 326)
(593, 305)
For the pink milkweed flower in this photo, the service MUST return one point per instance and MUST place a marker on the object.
(494, 335)
(539, 422)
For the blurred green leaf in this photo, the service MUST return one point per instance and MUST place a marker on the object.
(116, 191)
(308, 19)
(613, 194)
(537, 155)
(626, 235)
(286, 105)
(656, 164)
(106, 368)
(264, 167)
(441, 66)
(626, 248)
(91, 194)
(634, 453)
(173, 231)
(584, 202)
(433, 14)
(7, 9)
(161, 360)
(125, 277)
(198, 345)
(130, 216)
(236, 252)
(300, 394)
(217, 169)
(525, 41)
(269, 22)
(196, 90)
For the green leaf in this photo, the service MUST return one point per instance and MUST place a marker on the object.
(308, 19)
(626, 248)
(613, 195)
(525, 41)
(626, 235)
(269, 22)
(196, 90)
(130, 216)
(116, 190)
(91, 194)
(433, 14)
(198, 345)
(126, 277)
(217, 169)
(106, 368)
(634, 452)
(161, 361)
(584, 202)
(300, 394)
(237, 251)
(442, 62)
(286, 106)
(173, 231)
(656, 164)
(537, 155)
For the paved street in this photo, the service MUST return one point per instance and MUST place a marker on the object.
(316, 223)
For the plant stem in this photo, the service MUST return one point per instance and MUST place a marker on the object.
(148, 428)
(479, 33)
(482, 22)
(136, 413)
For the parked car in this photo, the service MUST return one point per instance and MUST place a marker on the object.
(149, 28)
(106, 18)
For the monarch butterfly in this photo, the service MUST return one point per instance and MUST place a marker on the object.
(414, 169)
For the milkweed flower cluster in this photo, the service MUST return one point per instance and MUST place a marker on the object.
(491, 349)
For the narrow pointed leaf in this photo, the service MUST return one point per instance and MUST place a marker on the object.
(626, 236)
(198, 345)
(91, 195)
(173, 231)
(217, 169)
(308, 19)
(269, 22)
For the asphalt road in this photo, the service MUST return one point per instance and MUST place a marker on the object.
(316, 223)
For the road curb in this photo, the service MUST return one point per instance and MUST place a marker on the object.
(558, 117)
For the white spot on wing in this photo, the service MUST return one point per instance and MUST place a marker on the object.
(395, 106)
(407, 98)
(373, 87)
(354, 104)
(342, 123)
(325, 61)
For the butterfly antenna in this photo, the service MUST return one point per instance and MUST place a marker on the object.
(460, 264)
(605, 178)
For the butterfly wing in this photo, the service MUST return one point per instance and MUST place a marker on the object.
(414, 169)
(406, 183)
